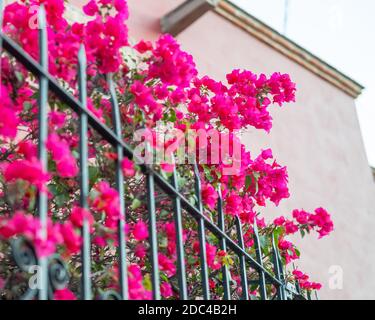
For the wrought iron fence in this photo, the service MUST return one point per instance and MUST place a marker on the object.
(54, 274)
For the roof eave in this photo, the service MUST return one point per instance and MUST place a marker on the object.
(288, 48)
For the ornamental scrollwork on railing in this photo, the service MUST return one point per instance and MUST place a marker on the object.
(110, 295)
(24, 255)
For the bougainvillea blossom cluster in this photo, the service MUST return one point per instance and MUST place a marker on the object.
(157, 84)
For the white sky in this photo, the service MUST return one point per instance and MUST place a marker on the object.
(342, 33)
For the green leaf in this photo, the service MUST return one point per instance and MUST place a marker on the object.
(191, 260)
(298, 253)
(75, 154)
(172, 116)
(207, 173)
(253, 287)
(228, 261)
(53, 189)
(263, 241)
(163, 242)
(164, 277)
(61, 200)
(277, 233)
(252, 180)
(19, 76)
(248, 182)
(32, 201)
(181, 181)
(27, 106)
(147, 282)
(193, 200)
(93, 175)
(136, 204)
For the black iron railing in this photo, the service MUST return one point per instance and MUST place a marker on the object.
(54, 274)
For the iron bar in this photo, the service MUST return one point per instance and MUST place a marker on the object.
(244, 282)
(223, 244)
(120, 189)
(258, 250)
(155, 276)
(42, 139)
(280, 290)
(84, 176)
(201, 236)
(179, 241)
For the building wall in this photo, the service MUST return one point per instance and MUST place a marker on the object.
(318, 138)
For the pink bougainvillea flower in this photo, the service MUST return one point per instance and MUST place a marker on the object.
(128, 168)
(72, 239)
(166, 290)
(144, 98)
(143, 46)
(267, 154)
(57, 146)
(167, 167)
(66, 164)
(98, 112)
(111, 155)
(212, 284)
(209, 195)
(316, 286)
(301, 216)
(287, 250)
(322, 220)
(122, 7)
(67, 167)
(248, 87)
(28, 226)
(108, 201)
(140, 231)
(91, 8)
(166, 265)
(211, 253)
(57, 118)
(299, 275)
(8, 123)
(172, 65)
(303, 280)
(261, 222)
(136, 288)
(290, 227)
(19, 223)
(319, 221)
(100, 241)
(9, 119)
(233, 204)
(64, 294)
(279, 221)
(140, 251)
(79, 214)
(28, 170)
(28, 149)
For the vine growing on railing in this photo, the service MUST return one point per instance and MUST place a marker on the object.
(163, 99)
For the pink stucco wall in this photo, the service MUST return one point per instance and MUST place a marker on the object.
(318, 138)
